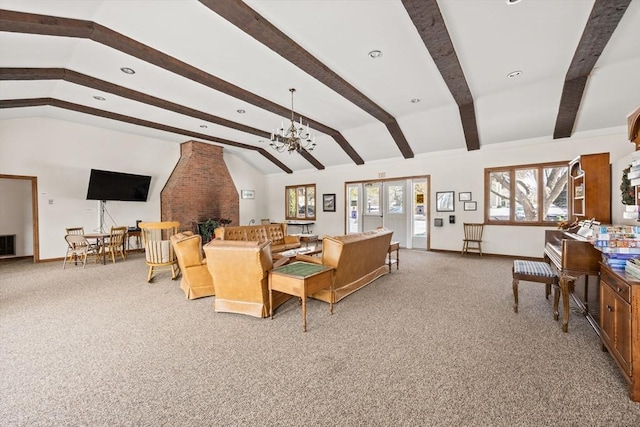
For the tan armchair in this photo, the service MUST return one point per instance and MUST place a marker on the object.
(196, 280)
(240, 271)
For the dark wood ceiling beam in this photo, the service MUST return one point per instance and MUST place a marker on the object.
(603, 21)
(428, 20)
(21, 22)
(34, 102)
(251, 22)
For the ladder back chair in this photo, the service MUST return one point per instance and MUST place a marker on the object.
(472, 237)
(116, 243)
(159, 253)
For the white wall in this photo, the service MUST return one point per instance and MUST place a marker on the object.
(61, 155)
(460, 171)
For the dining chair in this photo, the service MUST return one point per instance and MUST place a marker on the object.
(75, 230)
(115, 244)
(78, 247)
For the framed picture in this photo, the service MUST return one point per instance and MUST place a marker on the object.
(445, 201)
(248, 194)
(328, 202)
(437, 222)
(470, 206)
(463, 197)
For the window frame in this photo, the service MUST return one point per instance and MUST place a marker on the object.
(296, 188)
(512, 193)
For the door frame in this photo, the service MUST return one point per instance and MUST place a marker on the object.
(34, 211)
(383, 180)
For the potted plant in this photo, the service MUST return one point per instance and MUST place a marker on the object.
(206, 228)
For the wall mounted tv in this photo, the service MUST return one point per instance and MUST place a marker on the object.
(126, 187)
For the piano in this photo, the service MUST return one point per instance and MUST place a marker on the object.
(575, 260)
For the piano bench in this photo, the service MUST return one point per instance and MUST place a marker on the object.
(533, 271)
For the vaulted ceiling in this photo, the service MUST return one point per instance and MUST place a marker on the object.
(219, 71)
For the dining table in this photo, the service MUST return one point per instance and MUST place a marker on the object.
(99, 238)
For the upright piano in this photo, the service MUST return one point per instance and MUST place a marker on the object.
(575, 259)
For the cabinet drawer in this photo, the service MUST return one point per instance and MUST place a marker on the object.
(617, 284)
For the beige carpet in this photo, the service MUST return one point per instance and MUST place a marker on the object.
(433, 344)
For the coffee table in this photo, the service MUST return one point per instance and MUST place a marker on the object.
(300, 279)
(293, 252)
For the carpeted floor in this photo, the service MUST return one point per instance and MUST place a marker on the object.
(433, 344)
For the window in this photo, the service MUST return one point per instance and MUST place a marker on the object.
(300, 201)
(526, 195)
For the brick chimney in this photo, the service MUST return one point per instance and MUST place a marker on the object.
(200, 187)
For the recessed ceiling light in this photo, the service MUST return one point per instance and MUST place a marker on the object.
(241, 111)
(513, 74)
(513, 1)
(99, 98)
(128, 70)
(375, 54)
(415, 100)
(204, 126)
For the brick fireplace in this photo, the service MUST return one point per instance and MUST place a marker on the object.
(200, 187)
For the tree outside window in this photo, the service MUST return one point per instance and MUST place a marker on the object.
(526, 195)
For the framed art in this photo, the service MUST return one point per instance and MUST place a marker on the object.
(248, 194)
(470, 206)
(464, 196)
(445, 201)
(328, 202)
(437, 222)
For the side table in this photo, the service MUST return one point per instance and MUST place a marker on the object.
(300, 279)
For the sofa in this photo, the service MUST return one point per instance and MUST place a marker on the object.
(196, 280)
(276, 233)
(240, 271)
(358, 260)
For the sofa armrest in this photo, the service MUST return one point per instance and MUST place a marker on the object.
(309, 258)
(291, 239)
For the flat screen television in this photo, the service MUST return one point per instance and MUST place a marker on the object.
(127, 187)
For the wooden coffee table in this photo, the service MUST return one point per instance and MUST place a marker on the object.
(300, 279)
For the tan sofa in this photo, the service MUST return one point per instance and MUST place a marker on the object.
(358, 260)
(276, 233)
(196, 280)
(240, 271)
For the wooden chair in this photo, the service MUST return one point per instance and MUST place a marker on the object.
(156, 239)
(78, 247)
(116, 243)
(473, 236)
(75, 230)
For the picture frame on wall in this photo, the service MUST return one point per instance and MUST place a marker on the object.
(470, 206)
(328, 202)
(464, 196)
(248, 194)
(445, 201)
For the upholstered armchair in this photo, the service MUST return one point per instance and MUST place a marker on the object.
(240, 271)
(196, 280)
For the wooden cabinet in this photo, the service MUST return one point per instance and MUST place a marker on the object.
(620, 323)
(590, 187)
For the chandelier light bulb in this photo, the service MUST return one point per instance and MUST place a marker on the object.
(293, 138)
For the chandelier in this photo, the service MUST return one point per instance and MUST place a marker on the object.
(296, 137)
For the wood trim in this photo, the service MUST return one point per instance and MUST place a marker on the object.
(251, 22)
(603, 20)
(16, 103)
(428, 20)
(29, 23)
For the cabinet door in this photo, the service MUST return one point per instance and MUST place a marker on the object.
(607, 304)
(623, 332)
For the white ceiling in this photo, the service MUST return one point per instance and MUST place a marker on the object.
(491, 38)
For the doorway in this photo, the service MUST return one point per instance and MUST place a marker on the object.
(32, 223)
(400, 204)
